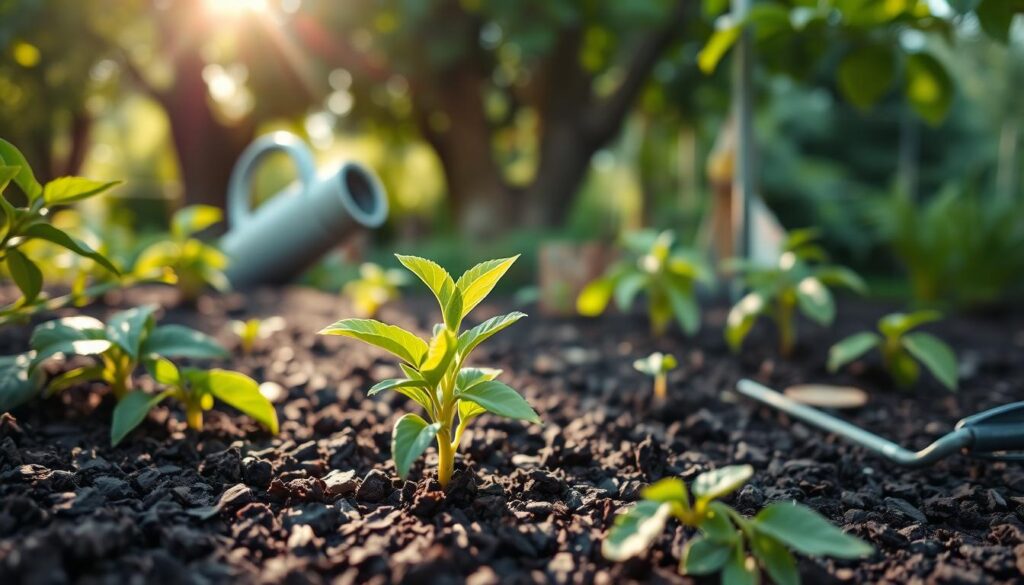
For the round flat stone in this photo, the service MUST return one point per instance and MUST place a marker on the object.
(827, 396)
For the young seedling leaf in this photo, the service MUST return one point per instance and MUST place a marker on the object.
(410, 438)
(242, 392)
(655, 364)
(72, 378)
(441, 284)
(896, 324)
(936, 356)
(25, 180)
(716, 525)
(181, 341)
(396, 340)
(394, 384)
(26, 275)
(469, 377)
(77, 328)
(815, 300)
(627, 288)
(67, 348)
(131, 411)
(499, 399)
(670, 489)
(469, 410)
(45, 231)
(64, 190)
(440, 353)
(127, 328)
(477, 335)
(684, 307)
(478, 282)
(193, 219)
(777, 561)
(703, 556)
(719, 482)
(164, 371)
(842, 276)
(850, 349)
(18, 382)
(742, 317)
(635, 530)
(807, 532)
(594, 297)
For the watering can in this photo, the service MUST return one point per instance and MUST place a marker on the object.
(298, 225)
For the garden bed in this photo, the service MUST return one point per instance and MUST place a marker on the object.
(529, 503)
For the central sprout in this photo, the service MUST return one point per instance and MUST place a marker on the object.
(435, 376)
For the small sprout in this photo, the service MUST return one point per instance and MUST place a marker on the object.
(196, 390)
(195, 263)
(729, 542)
(668, 278)
(434, 374)
(252, 331)
(657, 365)
(900, 348)
(374, 287)
(800, 281)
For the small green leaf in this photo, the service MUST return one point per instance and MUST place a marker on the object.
(850, 349)
(469, 377)
(441, 284)
(807, 532)
(896, 324)
(11, 156)
(627, 288)
(181, 341)
(716, 525)
(410, 438)
(393, 384)
(469, 410)
(26, 275)
(656, 363)
(45, 231)
(594, 297)
(741, 319)
(936, 356)
(685, 308)
(127, 328)
(440, 353)
(477, 335)
(722, 481)
(77, 328)
(131, 411)
(841, 276)
(929, 88)
(866, 74)
(815, 300)
(704, 557)
(478, 282)
(717, 46)
(18, 381)
(64, 190)
(7, 173)
(242, 392)
(73, 377)
(79, 347)
(740, 569)
(777, 561)
(635, 530)
(670, 489)
(193, 219)
(164, 371)
(396, 340)
(499, 399)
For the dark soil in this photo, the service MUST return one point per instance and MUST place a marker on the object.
(529, 503)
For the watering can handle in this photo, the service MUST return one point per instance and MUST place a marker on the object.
(240, 185)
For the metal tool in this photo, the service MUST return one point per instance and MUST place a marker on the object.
(996, 434)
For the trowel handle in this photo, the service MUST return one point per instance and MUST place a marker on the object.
(240, 187)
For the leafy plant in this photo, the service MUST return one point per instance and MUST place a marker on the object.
(196, 390)
(22, 225)
(668, 278)
(657, 365)
(374, 287)
(251, 331)
(901, 350)
(196, 263)
(799, 281)
(729, 542)
(435, 376)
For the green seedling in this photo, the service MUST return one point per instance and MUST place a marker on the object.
(667, 277)
(195, 263)
(20, 225)
(374, 287)
(799, 281)
(657, 365)
(729, 542)
(252, 331)
(901, 350)
(434, 374)
(196, 390)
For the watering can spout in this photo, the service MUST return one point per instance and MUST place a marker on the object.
(295, 227)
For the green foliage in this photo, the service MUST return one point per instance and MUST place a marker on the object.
(799, 282)
(197, 391)
(195, 263)
(668, 278)
(657, 365)
(252, 331)
(729, 542)
(435, 374)
(374, 287)
(29, 222)
(900, 348)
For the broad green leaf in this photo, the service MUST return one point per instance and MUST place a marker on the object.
(410, 438)
(396, 340)
(26, 275)
(594, 297)
(469, 410)
(805, 531)
(478, 282)
(777, 561)
(704, 557)
(656, 363)
(468, 377)
(194, 219)
(75, 328)
(841, 276)
(929, 88)
(635, 530)
(440, 353)
(850, 349)
(996, 18)
(64, 190)
(896, 324)
(499, 399)
(742, 317)
(717, 526)
(740, 569)
(131, 411)
(242, 392)
(11, 156)
(164, 371)
(866, 74)
(815, 300)
(936, 356)
(670, 489)
(127, 328)
(7, 173)
(722, 481)
(441, 284)
(393, 384)
(181, 341)
(684, 307)
(717, 46)
(73, 377)
(45, 231)
(627, 288)
(18, 382)
(477, 335)
(79, 347)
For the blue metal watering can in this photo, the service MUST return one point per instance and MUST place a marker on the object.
(298, 225)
